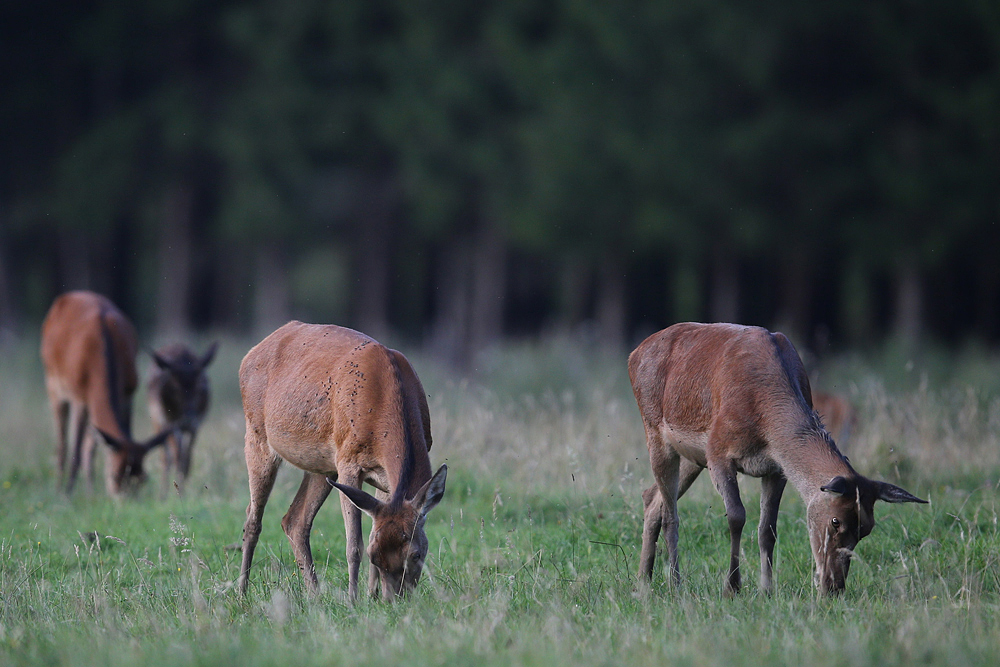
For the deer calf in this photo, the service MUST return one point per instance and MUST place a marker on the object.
(88, 351)
(177, 396)
(340, 406)
(736, 399)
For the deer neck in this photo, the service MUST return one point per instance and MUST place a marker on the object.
(812, 461)
(407, 469)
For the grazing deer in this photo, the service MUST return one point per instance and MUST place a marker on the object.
(88, 350)
(839, 418)
(340, 406)
(177, 395)
(736, 399)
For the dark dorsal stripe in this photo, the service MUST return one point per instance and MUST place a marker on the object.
(114, 380)
(409, 457)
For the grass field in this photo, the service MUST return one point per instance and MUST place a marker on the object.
(533, 551)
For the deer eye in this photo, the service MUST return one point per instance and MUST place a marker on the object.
(835, 521)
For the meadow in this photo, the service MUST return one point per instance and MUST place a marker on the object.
(533, 550)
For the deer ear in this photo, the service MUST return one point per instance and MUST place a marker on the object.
(837, 486)
(363, 500)
(209, 354)
(891, 493)
(112, 442)
(431, 493)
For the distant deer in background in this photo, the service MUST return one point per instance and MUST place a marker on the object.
(177, 395)
(736, 399)
(88, 350)
(838, 416)
(340, 406)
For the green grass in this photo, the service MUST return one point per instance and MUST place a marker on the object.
(533, 550)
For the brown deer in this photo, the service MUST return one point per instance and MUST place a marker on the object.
(839, 417)
(88, 350)
(736, 399)
(177, 395)
(340, 406)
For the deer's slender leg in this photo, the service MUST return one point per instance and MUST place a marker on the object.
(652, 519)
(771, 488)
(298, 521)
(60, 414)
(352, 525)
(723, 474)
(374, 580)
(262, 465)
(78, 424)
(186, 449)
(666, 464)
(652, 515)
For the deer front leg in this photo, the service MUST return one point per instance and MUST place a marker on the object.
(771, 488)
(352, 525)
(374, 579)
(723, 475)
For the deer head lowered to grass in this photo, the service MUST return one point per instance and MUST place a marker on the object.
(340, 406)
(177, 396)
(88, 351)
(736, 399)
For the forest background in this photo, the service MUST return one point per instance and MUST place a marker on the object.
(454, 173)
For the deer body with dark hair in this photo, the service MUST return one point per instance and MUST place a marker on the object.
(88, 350)
(177, 395)
(736, 399)
(345, 410)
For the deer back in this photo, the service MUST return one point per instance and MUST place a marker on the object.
(691, 378)
(329, 399)
(88, 350)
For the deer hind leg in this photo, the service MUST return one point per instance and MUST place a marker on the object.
(60, 417)
(666, 465)
(724, 477)
(771, 488)
(298, 521)
(652, 515)
(262, 465)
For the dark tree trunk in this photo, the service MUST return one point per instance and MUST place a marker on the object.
(725, 286)
(908, 326)
(449, 331)
(574, 279)
(856, 303)
(74, 260)
(610, 307)
(989, 295)
(174, 286)
(271, 292)
(8, 316)
(686, 290)
(372, 263)
(489, 281)
(793, 315)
